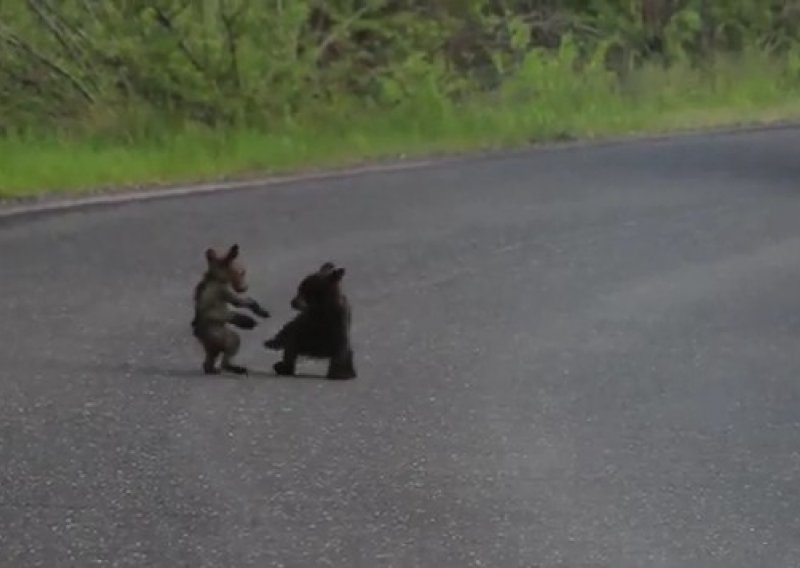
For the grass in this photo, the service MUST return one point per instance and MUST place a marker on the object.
(546, 100)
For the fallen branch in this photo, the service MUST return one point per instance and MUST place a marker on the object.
(13, 40)
(228, 22)
(59, 31)
(337, 31)
(166, 22)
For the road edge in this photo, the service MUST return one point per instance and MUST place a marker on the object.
(55, 202)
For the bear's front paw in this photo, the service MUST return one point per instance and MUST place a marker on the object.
(283, 369)
(243, 321)
(273, 344)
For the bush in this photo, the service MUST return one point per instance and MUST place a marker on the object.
(170, 89)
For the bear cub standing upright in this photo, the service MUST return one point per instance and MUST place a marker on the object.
(322, 328)
(221, 287)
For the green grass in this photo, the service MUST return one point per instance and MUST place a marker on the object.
(545, 101)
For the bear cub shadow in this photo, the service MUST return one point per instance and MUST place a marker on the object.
(321, 329)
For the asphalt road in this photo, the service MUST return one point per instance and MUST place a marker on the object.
(584, 357)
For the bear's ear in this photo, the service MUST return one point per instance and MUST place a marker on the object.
(327, 267)
(233, 252)
(211, 255)
(337, 275)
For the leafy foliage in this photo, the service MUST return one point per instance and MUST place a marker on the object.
(125, 67)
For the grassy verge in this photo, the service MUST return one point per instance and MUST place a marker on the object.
(545, 100)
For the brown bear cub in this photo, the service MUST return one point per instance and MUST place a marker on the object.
(322, 328)
(220, 287)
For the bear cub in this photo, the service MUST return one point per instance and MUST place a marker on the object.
(322, 328)
(222, 286)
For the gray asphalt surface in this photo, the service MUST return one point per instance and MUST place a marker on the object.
(583, 357)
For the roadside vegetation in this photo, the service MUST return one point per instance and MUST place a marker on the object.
(97, 93)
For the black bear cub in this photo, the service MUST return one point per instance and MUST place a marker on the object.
(322, 328)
